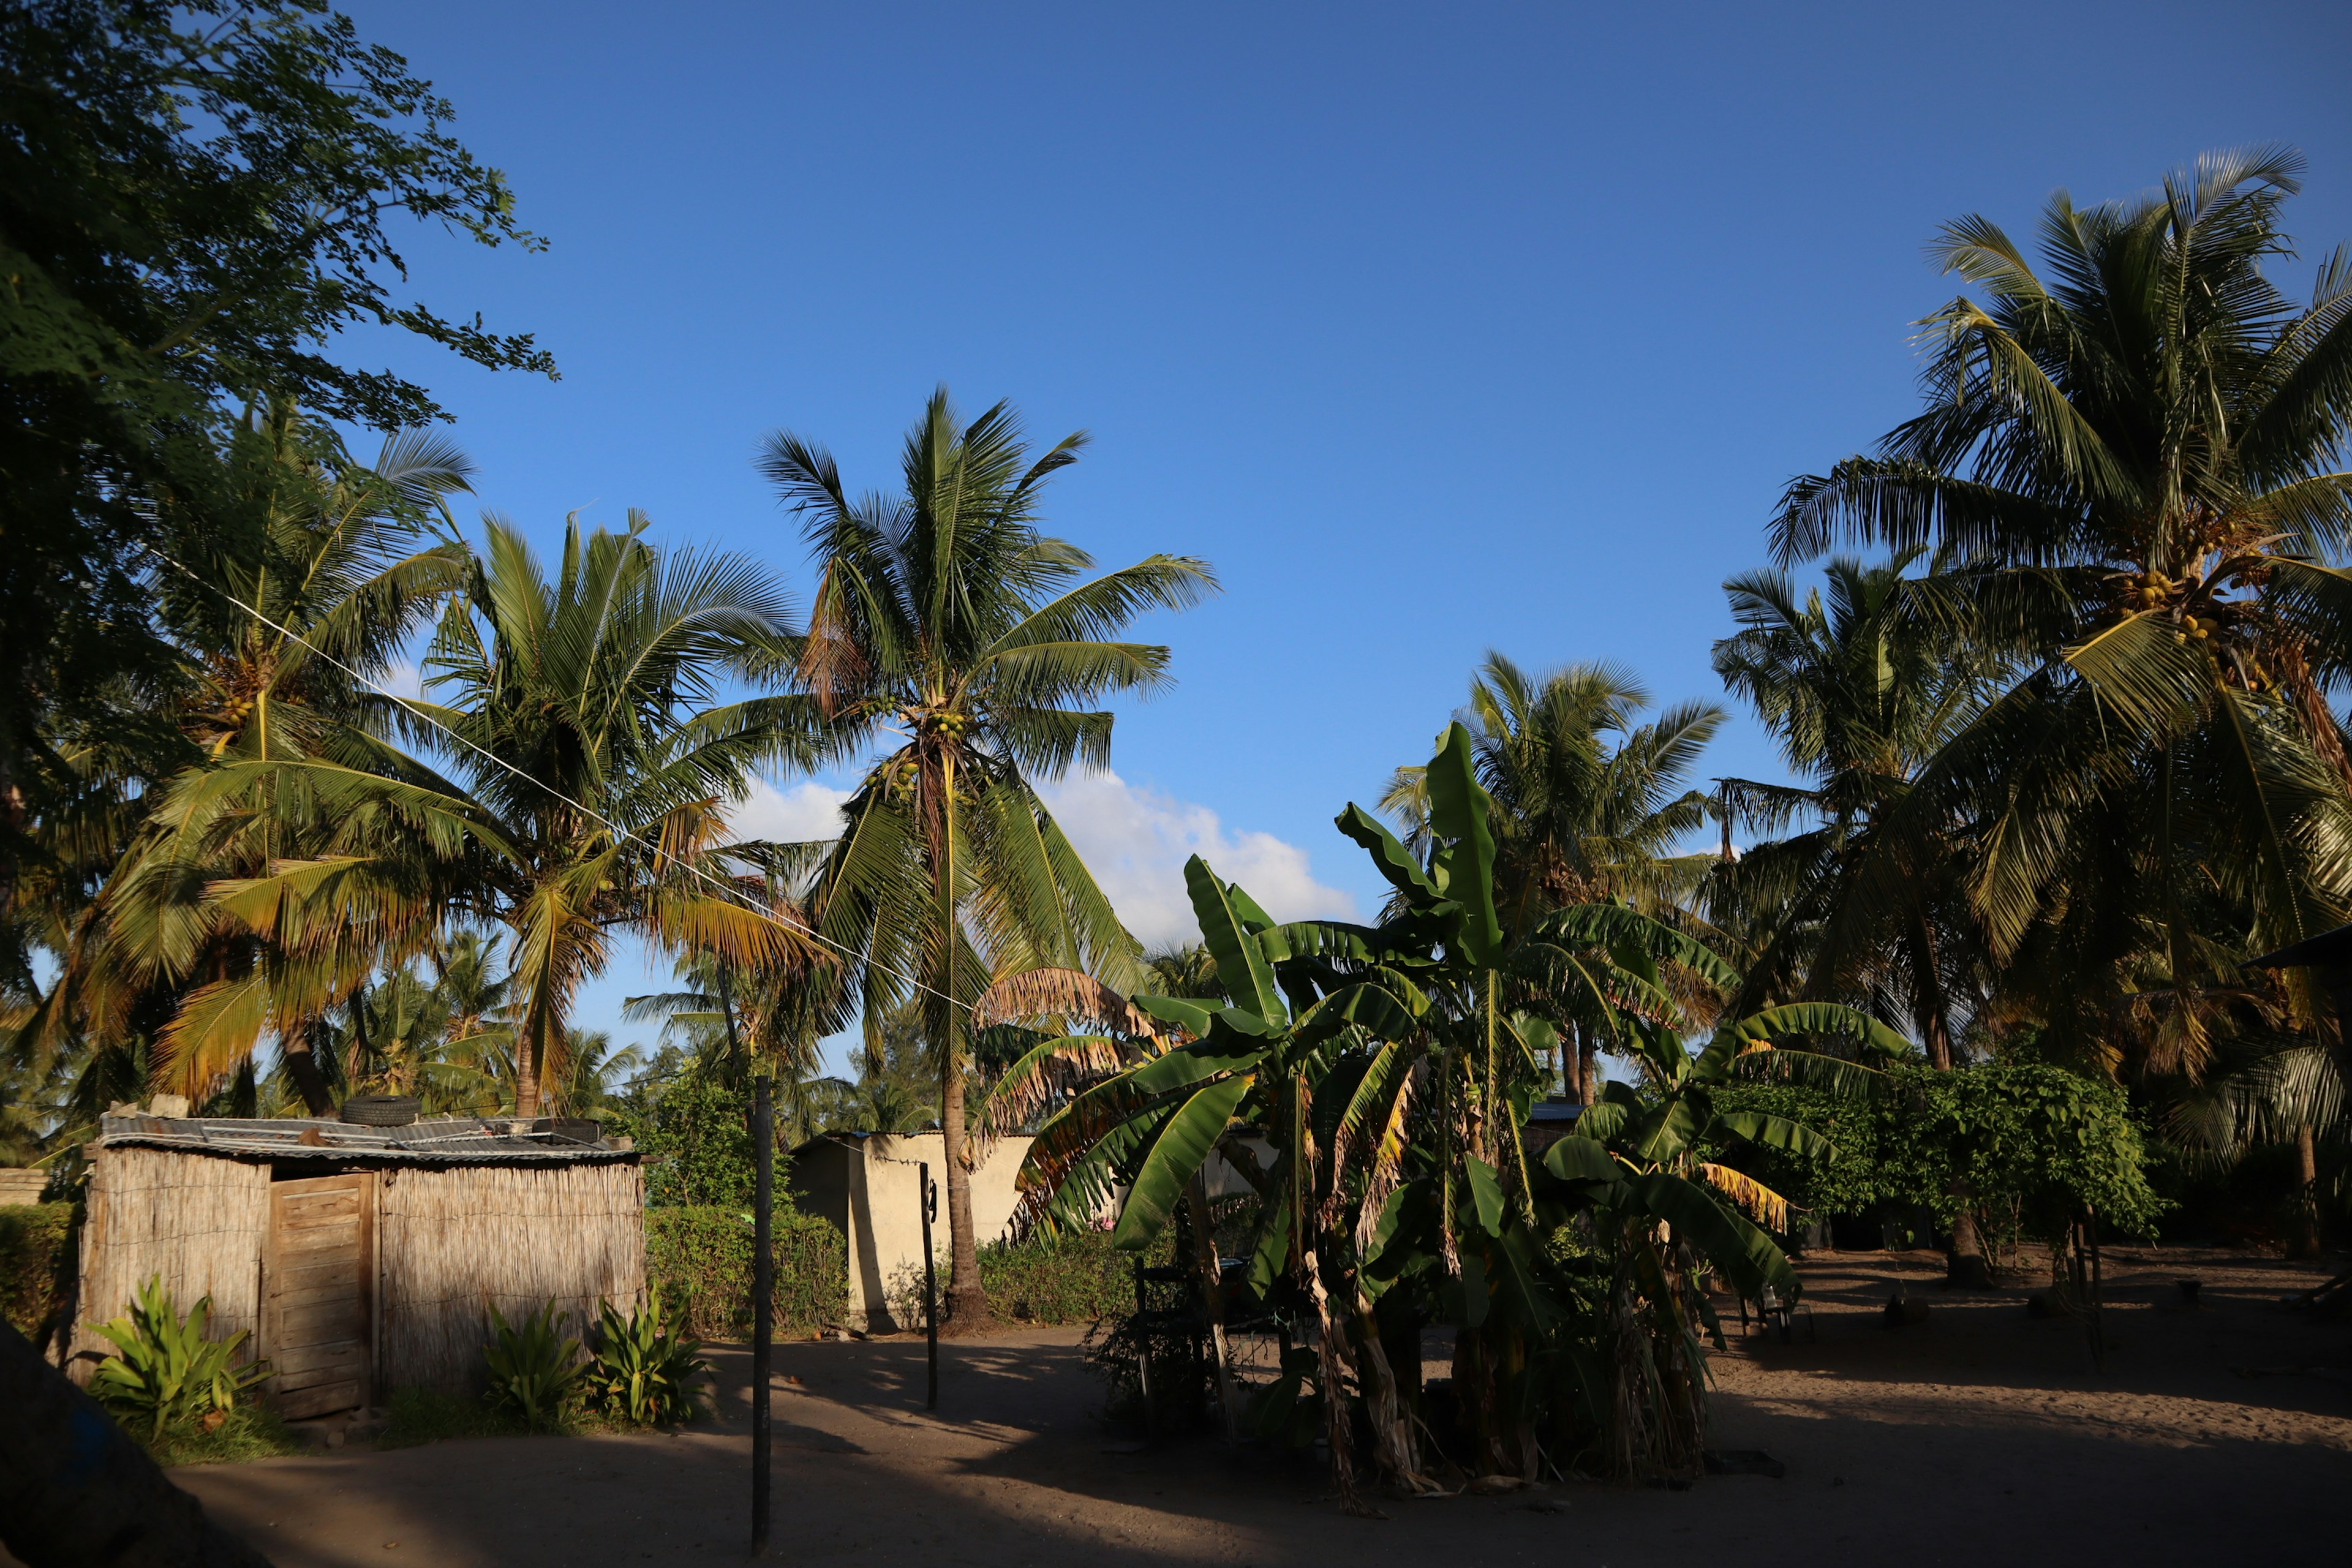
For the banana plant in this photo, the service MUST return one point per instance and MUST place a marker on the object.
(1390, 1070)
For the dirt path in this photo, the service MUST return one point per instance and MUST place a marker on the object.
(1980, 1436)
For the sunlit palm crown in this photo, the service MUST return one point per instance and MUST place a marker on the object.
(309, 578)
(1587, 804)
(2137, 451)
(601, 763)
(947, 626)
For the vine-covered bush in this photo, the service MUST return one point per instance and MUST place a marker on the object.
(38, 1259)
(700, 1257)
(2038, 1141)
(695, 1134)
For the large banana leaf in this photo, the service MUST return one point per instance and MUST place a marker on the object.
(1186, 1014)
(1242, 969)
(1390, 858)
(1618, 928)
(1746, 1256)
(1461, 813)
(1174, 1159)
(1374, 1008)
(1582, 1159)
(1486, 1193)
(1801, 1019)
(1778, 1133)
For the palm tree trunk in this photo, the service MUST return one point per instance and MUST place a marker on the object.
(1965, 1267)
(309, 1081)
(2302, 1236)
(967, 1308)
(526, 1072)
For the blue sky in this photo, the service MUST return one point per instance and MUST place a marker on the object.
(1435, 329)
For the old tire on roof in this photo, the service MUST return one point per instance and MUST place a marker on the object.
(381, 1110)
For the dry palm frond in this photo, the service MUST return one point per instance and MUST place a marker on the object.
(1765, 1206)
(1029, 1084)
(1063, 994)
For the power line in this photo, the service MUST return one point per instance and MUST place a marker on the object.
(730, 891)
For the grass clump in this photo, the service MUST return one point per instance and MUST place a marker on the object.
(248, 1431)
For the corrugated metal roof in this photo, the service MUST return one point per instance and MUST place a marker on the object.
(444, 1140)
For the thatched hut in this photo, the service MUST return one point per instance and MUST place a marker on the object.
(361, 1260)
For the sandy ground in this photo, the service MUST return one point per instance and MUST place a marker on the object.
(1980, 1436)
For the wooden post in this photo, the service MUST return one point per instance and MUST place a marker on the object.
(930, 1293)
(763, 1297)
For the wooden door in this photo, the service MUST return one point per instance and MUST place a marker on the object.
(319, 1294)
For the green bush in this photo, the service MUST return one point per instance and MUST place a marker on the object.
(2035, 1142)
(695, 1134)
(38, 1259)
(1072, 1279)
(700, 1257)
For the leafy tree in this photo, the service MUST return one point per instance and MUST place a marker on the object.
(945, 619)
(2136, 450)
(194, 200)
(2024, 1140)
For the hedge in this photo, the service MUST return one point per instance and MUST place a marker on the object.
(701, 1256)
(38, 1259)
(1073, 1279)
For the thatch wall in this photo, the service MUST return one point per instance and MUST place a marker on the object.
(453, 1243)
(197, 1221)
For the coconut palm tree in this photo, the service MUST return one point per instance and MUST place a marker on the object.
(948, 629)
(1587, 804)
(2135, 447)
(1862, 680)
(581, 713)
(293, 588)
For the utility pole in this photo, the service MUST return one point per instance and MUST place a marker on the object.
(763, 1296)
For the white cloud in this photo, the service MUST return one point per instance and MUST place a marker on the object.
(807, 811)
(404, 679)
(1136, 840)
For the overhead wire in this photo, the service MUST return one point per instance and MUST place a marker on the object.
(731, 891)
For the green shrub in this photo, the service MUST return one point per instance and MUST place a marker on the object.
(38, 1259)
(700, 1257)
(535, 1367)
(2036, 1141)
(165, 1374)
(695, 1134)
(1072, 1279)
(1075, 1278)
(644, 1369)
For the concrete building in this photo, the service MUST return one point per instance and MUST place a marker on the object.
(867, 1185)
